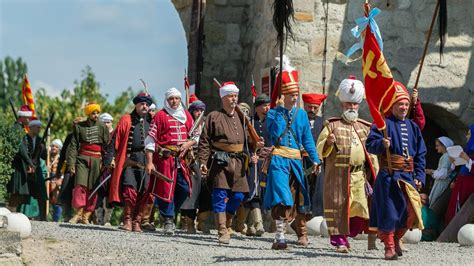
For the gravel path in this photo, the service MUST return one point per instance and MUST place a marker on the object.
(54, 243)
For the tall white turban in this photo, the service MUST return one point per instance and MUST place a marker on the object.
(351, 90)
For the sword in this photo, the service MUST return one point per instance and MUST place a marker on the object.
(129, 162)
(196, 124)
(99, 186)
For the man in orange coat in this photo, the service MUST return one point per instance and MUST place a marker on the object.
(129, 148)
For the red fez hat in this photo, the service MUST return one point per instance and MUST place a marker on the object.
(313, 98)
(397, 93)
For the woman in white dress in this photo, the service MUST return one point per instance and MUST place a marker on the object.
(440, 175)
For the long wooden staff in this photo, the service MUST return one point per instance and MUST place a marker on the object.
(422, 61)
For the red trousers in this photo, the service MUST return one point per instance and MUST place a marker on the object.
(80, 199)
(135, 199)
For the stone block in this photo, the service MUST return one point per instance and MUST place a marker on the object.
(229, 14)
(220, 2)
(304, 16)
(240, 2)
(234, 51)
(403, 4)
(304, 5)
(215, 33)
(403, 19)
(10, 242)
(233, 33)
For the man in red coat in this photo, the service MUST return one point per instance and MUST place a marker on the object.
(166, 145)
(129, 181)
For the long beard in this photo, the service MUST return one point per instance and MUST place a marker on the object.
(350, 115)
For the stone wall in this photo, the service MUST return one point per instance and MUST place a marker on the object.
(240, 41)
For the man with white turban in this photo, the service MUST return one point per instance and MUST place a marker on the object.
(222, 158)
(55, 184)
(349, 169)
(166, 145)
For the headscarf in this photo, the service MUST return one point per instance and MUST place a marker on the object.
(197, 105)
(91, 107)
(178, 113)
(447, 142)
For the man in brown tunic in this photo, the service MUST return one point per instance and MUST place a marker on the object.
(348, 169)
(222, 157)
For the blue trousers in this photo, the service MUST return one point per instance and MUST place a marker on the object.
(224, 200)
(57, 211)
(181, 193)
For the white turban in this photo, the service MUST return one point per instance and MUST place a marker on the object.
(35, 123)
(447, 142)
(106, 117)
(179, 113)
(228, 88)
(58, 143)
(351, 91)
(172, 92)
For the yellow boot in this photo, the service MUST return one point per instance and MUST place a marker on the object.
(86, 217)
(77, 217)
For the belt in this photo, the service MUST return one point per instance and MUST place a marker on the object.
(231, 148)
(287, 152)
(399, 163)
(356, 168)
(169, 150)
(93, 154)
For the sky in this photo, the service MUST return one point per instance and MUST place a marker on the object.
(121, 40)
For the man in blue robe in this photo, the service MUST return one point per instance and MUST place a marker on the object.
(289, 131)
(396, 206)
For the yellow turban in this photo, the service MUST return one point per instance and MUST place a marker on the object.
(91, 107)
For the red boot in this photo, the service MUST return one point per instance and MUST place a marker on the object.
(127, 218)
(398, 237)
(389, 242)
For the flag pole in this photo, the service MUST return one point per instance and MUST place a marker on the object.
(422, 61)
(384, 130)
(186, 88)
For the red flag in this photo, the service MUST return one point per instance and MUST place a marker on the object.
(27, 95)
(253, 88)
(378, 78)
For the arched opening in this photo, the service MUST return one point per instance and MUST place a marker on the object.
(440, 122)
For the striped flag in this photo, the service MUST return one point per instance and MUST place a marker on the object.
(253, 88)
(28, 95)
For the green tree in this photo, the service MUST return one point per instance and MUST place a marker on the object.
(11, 78)
(69, 104)
(9, 140)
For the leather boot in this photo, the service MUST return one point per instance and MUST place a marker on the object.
(301, 231)
(223, 233)
(251, 231)
(137, 220)
(280, 243)
(389, 242)
(372, 241)
(86, 217)
(202, 219)
(257, 214)
(146, 220)
(398, 241)
(127, 218)
(189, 226)
(77, 217)
(169, 226)
(240, 219)
(228, 223)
